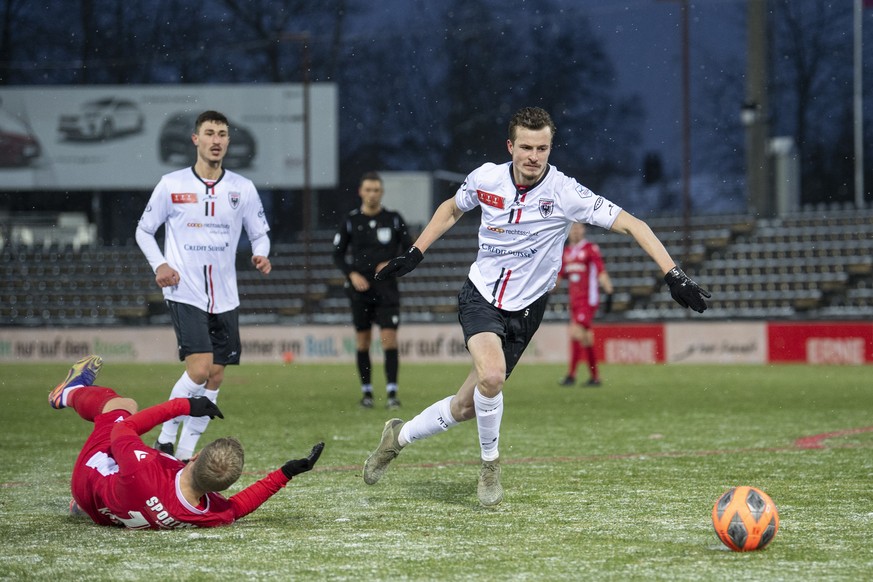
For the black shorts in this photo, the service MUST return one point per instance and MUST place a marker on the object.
(378, 305)
(515, 328)
(198, 332)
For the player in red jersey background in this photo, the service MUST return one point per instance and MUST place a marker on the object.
(582, 267)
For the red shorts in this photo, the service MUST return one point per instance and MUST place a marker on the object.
(583, 315)
(94, 465)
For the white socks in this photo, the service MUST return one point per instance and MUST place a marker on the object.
(434, 419)
(185, 388)
(438, 418)
(192, 428)
(65, 393)
(489, 412)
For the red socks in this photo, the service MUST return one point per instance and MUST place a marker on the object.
(592, 362)
(89, 401)
(576, 350)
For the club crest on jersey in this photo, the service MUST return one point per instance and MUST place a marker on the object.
(547, 207)
(183, 198)
(490, 199)
(233, 197)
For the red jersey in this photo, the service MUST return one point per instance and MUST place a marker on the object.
(119, 480)
(581, 265)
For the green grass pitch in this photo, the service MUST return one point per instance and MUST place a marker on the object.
(613, 483)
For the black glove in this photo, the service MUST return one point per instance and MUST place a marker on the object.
(297, 466)
(607, 303)
(202, 406)
(685, 291)
(399, 266)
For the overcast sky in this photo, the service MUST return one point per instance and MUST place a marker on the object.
(644, 39)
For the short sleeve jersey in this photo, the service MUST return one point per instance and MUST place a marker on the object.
(203, 224)
(582, 264)
(522, 231)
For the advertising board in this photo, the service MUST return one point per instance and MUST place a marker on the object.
(127, 137)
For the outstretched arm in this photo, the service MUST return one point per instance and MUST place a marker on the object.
(627, 224)
(148, 418)
(685, 291)
(253, 496)
(442, 220)
(128, 449)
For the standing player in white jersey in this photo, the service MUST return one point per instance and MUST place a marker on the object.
(527, 208)
(203, 209)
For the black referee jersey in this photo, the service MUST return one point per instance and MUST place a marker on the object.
(362, 241)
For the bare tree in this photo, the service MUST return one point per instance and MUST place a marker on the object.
(20, 20)
(812, 84)
(500, 60)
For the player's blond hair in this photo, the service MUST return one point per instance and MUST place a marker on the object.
(219, 465)
(531, 118)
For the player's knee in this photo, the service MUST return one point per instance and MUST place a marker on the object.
(198, 374)
(491, 382)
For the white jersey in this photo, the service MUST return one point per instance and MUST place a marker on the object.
(203, 224)
(522, 234)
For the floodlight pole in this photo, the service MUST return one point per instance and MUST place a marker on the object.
(307, 180)
(303, 39)
(685, 9)
(858, 101)
(686, 133)
(755, 113)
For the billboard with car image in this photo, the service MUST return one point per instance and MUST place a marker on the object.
(117, 137)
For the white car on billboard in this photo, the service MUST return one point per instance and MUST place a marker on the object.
(102, 119)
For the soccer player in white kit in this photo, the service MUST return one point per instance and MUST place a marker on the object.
(527, 209)
(203, 209)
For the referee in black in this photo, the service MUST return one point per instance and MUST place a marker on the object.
(368, 238)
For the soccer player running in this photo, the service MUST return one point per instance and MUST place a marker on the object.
(582, 267)
(527, 209)
(203, 209)
(372, 235)
(119, 480)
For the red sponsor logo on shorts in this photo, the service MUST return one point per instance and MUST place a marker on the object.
(494, 200)
(183, 198)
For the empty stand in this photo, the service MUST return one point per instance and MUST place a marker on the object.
(807, 266)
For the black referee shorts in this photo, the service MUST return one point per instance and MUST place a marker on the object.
(198, 332)
(378, 305)
(515, 328)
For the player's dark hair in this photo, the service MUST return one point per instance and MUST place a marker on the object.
(219, 465)
(531, 118)
(209, 116)
(370, 176)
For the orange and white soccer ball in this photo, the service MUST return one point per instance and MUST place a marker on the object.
(745, 519)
